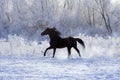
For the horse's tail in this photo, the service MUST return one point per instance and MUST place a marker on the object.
(80, 41)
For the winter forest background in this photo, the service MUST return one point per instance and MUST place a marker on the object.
(96, 22)
(29, 17)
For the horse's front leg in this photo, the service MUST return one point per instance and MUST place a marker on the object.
(46, 50)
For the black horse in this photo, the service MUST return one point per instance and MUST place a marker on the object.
(57, 42)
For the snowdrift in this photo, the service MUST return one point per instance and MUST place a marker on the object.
(95, 47)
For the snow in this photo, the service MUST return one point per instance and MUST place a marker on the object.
(54, 69)
(23, 60)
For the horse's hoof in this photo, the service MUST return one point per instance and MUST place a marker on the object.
(44, 54)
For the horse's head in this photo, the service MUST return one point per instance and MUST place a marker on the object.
(50, 31)
(45, 32)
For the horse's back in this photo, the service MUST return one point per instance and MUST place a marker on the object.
(63, 42)
(71, 41)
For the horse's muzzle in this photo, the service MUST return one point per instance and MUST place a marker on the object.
(42, 34)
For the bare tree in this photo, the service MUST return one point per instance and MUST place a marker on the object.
(6, 15)
(102, 8)
(89, 12)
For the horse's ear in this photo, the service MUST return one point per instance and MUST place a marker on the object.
(54, 28)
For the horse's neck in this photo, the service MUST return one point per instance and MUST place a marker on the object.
(53, 38)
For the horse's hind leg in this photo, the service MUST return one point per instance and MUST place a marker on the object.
(54, 52)
(46, 50)
(69, 51)
(77, 51)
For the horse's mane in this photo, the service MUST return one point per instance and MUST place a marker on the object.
(56, 32)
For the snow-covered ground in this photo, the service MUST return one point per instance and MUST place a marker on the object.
(55, 69)
(23, 60)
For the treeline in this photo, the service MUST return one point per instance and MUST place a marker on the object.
(29, 17)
